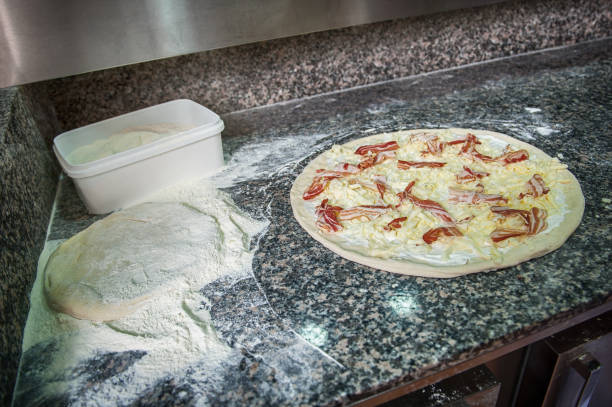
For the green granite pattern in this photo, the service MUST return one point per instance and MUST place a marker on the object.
(308, 327)
(258, 74)
(29, 176)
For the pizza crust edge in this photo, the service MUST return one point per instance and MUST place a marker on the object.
(539, 245)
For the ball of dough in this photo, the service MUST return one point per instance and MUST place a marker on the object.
(106, 271)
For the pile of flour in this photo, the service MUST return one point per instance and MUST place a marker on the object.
(173, 327)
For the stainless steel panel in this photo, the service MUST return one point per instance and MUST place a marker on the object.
(44, 39)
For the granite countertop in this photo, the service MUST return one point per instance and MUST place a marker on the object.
(308, 327)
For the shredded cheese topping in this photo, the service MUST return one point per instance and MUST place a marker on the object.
(475, 221)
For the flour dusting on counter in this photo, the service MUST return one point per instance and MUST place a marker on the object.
(170, 331)
(262, 159)
(545, 131)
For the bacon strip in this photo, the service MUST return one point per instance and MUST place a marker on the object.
(534, 219)
(460, 141)
(434, 234)
(434, 146)
(341, 170)
(327, 217)
(330, 174)
(509, 157)
(381, 185)
(431, 206)
(537, 220)
(406, 191)
(466, 219)
(468, 175)
(366, 162)
(473, 197)
(505, 211)
(512, 157)
(535, 187)
(321, 181)
(368, 211)
(372, 160)
(381, 190)
(384, 156)
(375, 148)
(347, 168)
(395, 223)
(318, 185)
(469, 149)
(501, 234)
(404, 165)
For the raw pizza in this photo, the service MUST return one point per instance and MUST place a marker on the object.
(437, 203)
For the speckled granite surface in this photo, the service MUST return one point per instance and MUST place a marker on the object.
(309, 327)
(28, 174)
(258, 74)
(244, 77)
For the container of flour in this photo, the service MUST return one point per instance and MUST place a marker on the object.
(119, 162)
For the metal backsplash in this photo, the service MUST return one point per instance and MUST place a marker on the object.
(45, 39)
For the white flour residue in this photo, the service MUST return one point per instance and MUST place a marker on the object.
(172, 328)
(533, 109)
(377, 109)
(259, 160)
(545, 131)
(124, 140)
(384, 107)
(529, 131)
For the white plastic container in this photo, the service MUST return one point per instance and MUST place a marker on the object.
(128, 177)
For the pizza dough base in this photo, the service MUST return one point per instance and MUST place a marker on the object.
(537, 245)
(108, 270)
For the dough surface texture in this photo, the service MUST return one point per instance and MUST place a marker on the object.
(109, 269)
